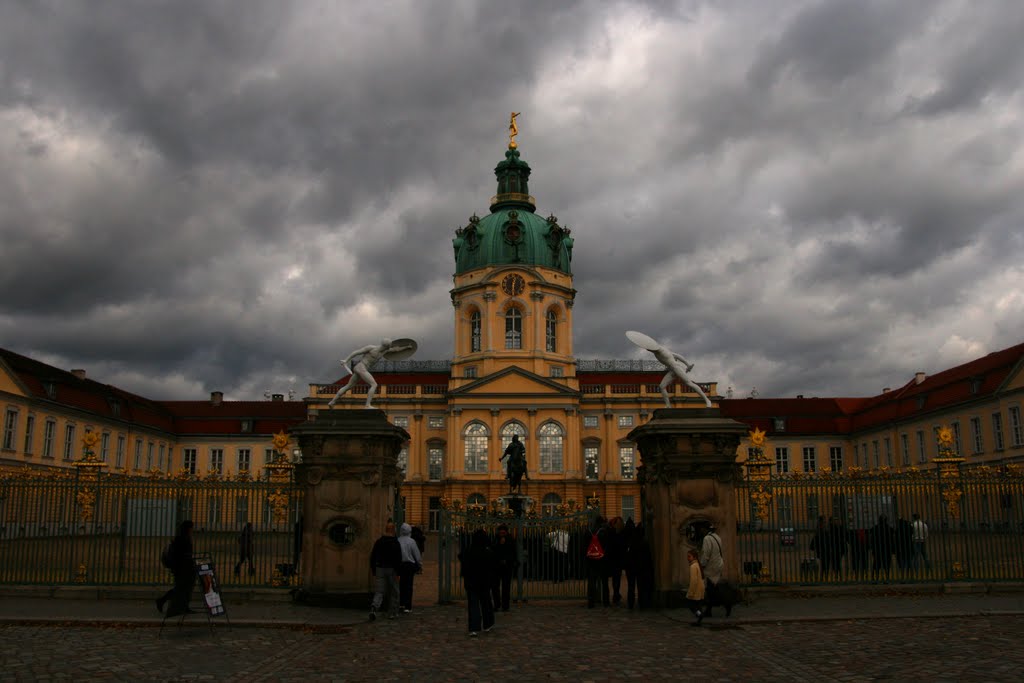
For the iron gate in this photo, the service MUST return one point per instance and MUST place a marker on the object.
(550, 552)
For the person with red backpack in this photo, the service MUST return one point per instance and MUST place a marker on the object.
(596, 563)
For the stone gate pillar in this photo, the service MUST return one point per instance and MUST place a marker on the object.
(350, 473)
(687, 473)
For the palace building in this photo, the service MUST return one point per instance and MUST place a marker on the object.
(513, 371)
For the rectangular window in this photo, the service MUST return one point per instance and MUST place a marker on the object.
(435, 463)
(49, 432)
(475, 459)
(874, 449)
(403, 459)
(835, 458)
(105, 446)
(435, 422)
(268, 456)
(10, 423)
(1016, 433)
(590, 460)
(550, 447)
(785, 510)
(150, 447)
(160, 459)
(513, 329)
(244, 459)
(217, 460)
(628, 508)
(905, 446)
(401, 421)
(556, 371)
(138, 454)
(997, 431)
(782, 459)
(433, 513)
(976, 439)
(625, 421)
(626, 462)
(120, 451)
(888, 451)
(956, 436)
(241, 510)
(810, 459)
(188, 460)
(30, 428)
(812, 507)
(922, 454)
(69, 442)
(590, 421)
(469, 372)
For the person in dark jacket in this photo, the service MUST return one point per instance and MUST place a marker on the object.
(904, 543)
(643, 566)
(245, 549)
(882, 541)
(385, 559)
(420, 538)
(615, 558)
(506, 556)
(183, 568)
(478, 569)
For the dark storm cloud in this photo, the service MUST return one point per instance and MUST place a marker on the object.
(809, 197)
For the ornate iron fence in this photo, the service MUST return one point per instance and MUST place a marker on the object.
(550, 550)
(945, 523)
(88, 527)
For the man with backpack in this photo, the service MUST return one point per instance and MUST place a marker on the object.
(596, 563)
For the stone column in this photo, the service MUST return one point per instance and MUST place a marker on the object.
(687, 474)
(351, 478)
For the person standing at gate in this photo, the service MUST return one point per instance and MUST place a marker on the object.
(506, 557)
(919, 532)
(412, 564)
(695, 589)
(615, 558)
(712, 562)
(245, 549)
(597, 574)
(179, 561)
(882, 541)
(478, 569)
(385, 557)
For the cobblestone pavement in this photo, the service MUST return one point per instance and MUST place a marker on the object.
(535, 642)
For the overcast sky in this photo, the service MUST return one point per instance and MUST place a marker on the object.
(807, 197)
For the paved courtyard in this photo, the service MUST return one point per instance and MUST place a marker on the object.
(535, 642)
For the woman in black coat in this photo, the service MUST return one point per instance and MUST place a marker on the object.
(183, 568)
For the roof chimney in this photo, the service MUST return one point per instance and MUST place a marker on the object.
(919, 377)
(277, 398)
(799, 395)
(216, 397)
(79, 373)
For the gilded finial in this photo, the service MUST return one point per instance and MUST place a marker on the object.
(513, 130)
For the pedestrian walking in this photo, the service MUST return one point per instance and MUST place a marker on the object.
(245, 549)
(507, 557)
(412, 564)
(178, 558)
(385, 557)
(478, 568)
(919, 532)
(717, 592)
(696, 589)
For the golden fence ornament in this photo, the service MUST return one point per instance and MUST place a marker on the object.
(759, 473)
(949, 462)
(88, 468)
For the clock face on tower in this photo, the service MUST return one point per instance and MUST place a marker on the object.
(513, 284)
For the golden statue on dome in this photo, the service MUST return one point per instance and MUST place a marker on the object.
(513, 130)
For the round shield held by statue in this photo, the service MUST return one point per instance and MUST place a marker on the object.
(403, 349)
(642, 340)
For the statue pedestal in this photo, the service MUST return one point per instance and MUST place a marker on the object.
(351, 478)
(687, 473)
(516, 502)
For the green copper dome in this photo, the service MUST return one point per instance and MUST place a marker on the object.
(512, 233)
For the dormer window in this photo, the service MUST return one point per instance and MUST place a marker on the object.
(921, 400)
(115, 407)
(975, 385)
(780, 424)
(51, 389)
(246, 425)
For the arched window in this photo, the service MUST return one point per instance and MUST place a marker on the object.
(476, 499)
(627, 462)
(474, 332)
(476, 436)
(551, 331)
(549, 503)
(591, 462)
(435, 463)
(508, 430)
(550, 442)
(513, 328)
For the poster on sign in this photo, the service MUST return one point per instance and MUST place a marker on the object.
(211, 588)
